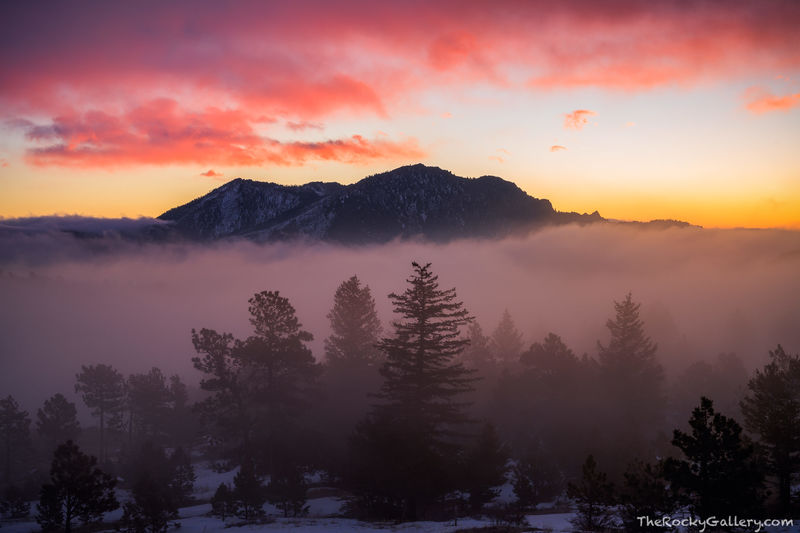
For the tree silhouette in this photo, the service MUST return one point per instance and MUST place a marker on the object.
(594, 499)
(719, 475)
(421, 376)
(645, 492)
(149, 404)
(261, 384)
(632, 379)
(249, 493)
(15, 435)
(77, 490)
(355, 326)
(406, 448)
(103, 391)
(771, 410)
(57, 421)
(506, 341)
(351, 366)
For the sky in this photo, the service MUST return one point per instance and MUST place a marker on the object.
(640, 110)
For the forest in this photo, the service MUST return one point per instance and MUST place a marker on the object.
(423, 418)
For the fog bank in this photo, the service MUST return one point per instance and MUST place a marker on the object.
(68, 303)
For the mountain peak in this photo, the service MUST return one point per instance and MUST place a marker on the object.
(413, 201)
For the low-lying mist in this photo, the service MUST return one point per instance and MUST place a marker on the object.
(68, 302)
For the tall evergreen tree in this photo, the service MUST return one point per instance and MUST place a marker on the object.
(103, 391)
(594, 498)
(479, 354)
(77, 490)
(15, 435)
(351, 367)
(354, 324)
(632, 378)
(281, 370)
(57, 421)
(407, 446)
(422, 379)
(771, 410)
(149, 401)
(261, 384)
(719, 474)
(506, 340)
(227, 409)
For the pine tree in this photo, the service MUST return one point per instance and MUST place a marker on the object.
(351, 366)
(222, 503)
(422, 379)
(182, 422)
(281, 370)
(152, 507)
(149, 399)
(535, 478)
(719, 475)
(406, 449)
(506, 340)
(632, 379)
(551, 359)
(287, 490)
(155, 497)
(645, 493)
(57, 421)
(14, 435)
(355, 326)
(227, 408)
(594, 499)
(183, 476)
(478, 354)
(485, 468)
(103, 391)
(771, 410)
(259, 385)
(249, 494)
(77, 490)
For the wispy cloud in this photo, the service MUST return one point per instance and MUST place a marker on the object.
(557, 148)
(211, 173)
(304, 125)
(760, 100)
(577, 119)
(161, 132)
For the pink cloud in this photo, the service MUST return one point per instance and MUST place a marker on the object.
(210, 173)
(760, 100)
(312, 62)
(577, 119)
(557, 148)
(161, 132)
(304, 125)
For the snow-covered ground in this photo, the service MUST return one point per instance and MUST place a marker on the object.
(324, 515)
